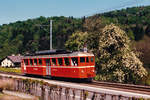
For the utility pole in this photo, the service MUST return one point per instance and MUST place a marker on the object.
(51, 35)
(50, 31)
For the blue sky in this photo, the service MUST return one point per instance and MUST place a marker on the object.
(14, 10)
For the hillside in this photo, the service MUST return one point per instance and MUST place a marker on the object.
(134, 20)
(28, 36)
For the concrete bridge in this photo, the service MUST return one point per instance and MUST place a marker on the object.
(47, 89)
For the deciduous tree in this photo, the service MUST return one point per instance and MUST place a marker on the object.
(117, 60)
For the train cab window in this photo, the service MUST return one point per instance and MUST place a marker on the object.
(40, 61)
(92, 59)
(35, 61)
(67, 63)
(26, 61)
(74, 61)
(31, 62)
(47, 61)
(60, 61)
(53, 61)
(87, 59)
(82, 59)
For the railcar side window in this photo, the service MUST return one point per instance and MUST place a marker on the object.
(31, 62)
(53, 61)
(40, 61)
(47, 61)
(82, 59)
(74, 61)
(66, 61)
(35, 61)
(26, 61)
(92, 59)
(60, 61)
(87, 59)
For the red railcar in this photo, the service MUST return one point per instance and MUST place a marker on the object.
(69, 65)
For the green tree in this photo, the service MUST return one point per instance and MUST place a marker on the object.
(76, 41)
(117, 61)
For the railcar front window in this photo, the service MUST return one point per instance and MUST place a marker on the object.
(60, 61)
(40, 61)
(53, 61)
(67, 63)
(74, 61)
(47, 61)
(31, 62)
(92, 59)
(35, 61)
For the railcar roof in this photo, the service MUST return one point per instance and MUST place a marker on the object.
(73, 54)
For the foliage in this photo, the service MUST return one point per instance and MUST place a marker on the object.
(135, 19)
(117, 61)
(94, 23)
(29, 36)
(76, 41)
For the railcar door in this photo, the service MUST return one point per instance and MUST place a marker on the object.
(48, 67)
(24, 64)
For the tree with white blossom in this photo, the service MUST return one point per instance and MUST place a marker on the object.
(116, 59)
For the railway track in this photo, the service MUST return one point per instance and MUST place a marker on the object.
(122, 87)
(108, 85)
(125, 86)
